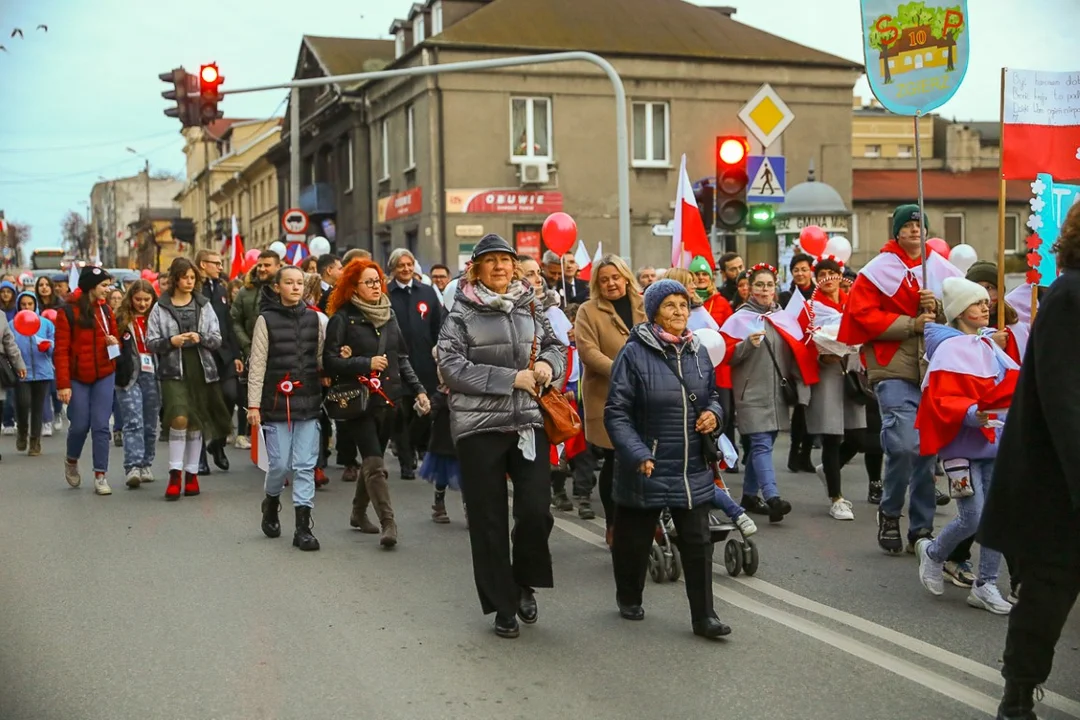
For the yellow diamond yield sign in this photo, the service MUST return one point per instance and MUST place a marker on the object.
(766, 116)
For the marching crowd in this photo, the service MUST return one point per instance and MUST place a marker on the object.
(670, 371)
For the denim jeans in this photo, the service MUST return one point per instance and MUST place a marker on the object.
(968, 513)
(88, 412)
(140, 405)
(293, 451)
(904, 466)
(759, 474)
(7, 414)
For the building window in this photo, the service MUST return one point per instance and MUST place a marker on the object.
(872, 151)
(530, 129)
(436, 17)
(384, 130)
(418, 30)
(410, 138)
(349, 164)
(905, 151)
(399, 43)
(855, 231)
(954, 229)
(651, 134)
(1012, 234)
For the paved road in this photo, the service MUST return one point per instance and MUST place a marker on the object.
(131, 607)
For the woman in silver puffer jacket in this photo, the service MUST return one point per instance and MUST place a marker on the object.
(486, 350)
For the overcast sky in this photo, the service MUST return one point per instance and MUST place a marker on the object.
(72, 99)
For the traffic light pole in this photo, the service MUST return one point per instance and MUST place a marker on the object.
(622, 134)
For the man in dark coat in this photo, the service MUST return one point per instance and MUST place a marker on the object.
(419, 314)
(228, 355)
(1032, 512)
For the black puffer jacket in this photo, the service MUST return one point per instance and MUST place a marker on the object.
(349, 326)
(292, 352)
(650, 416)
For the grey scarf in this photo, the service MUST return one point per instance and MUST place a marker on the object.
(377, 313)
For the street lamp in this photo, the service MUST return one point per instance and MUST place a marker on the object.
(146, 169)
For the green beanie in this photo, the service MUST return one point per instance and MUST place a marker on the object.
(905, 214)
(700, 264)
(983, 271)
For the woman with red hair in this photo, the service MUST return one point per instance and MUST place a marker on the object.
(365, 350)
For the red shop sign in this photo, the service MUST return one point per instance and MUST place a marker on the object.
(400, 205)
(503, 201)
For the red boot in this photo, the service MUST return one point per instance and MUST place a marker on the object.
(191, 484)
(172, 492)
(320, 478)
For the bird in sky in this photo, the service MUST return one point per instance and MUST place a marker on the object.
(43, 27)
(16, 31)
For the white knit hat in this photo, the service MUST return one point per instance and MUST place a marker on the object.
(960, 294)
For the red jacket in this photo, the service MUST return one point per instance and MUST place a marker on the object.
(80, 352)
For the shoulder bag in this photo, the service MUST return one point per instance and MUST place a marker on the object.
(8, 377)
(351, 402)
(787, 389)
(857, 387)
(708, 440)
(561, 420)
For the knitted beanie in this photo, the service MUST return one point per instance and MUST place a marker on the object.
(983, 271)
(700, 265)
(91, 277)
(905, 214)
(960, 294)
(659, 290)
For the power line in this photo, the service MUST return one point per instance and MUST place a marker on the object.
(57, 148)
(94, 171)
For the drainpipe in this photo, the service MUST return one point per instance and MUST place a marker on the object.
(438, 198)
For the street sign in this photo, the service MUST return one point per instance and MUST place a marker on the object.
(295, 221)
(766, 116)
(767, 175)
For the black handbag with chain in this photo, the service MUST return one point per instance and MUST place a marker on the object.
(349, 403)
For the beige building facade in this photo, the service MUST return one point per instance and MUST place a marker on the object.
(116, 207)
(245, 184)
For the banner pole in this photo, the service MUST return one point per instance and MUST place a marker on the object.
(1001, 214)
(922, 209)
(1034, 301)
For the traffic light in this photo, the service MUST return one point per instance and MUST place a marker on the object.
(186, 109)
(704, 197)
(760, 217)
(210, 80)
(732, 181)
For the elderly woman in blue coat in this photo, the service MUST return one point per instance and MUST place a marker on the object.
(662, 406)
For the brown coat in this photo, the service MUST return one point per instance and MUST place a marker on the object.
(600, 335)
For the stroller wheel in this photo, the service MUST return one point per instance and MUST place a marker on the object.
(656, 564)
(750, 557)
(733, 558)
(674, 568)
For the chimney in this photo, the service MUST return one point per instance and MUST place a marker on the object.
(725, 10)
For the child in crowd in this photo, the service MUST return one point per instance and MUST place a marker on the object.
(966, 394)
(32, 392)
(313, 294)
(440, 466)
(115, 297)
(136, 383)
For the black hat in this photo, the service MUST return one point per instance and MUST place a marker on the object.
(491, 243)
(983, 271)
(91, 277)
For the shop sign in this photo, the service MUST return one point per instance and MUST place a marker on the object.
(493, 201)
(399, 205)
(828, 223)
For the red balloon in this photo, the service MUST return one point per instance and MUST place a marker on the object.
(26, 322)
(49, 315)
(252, 256)
(560, 232)
(813, 240)
(939, 246)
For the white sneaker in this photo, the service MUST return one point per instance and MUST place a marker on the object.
(146, 475)
(242, 442)
(746, 525)
(841, 510)
(101, 485)
(134, 478)
(931, 574)
(58, 425)
(47, 430)
(988, 597)
(7, 430)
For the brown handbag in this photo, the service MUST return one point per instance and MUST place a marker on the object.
(561, 420)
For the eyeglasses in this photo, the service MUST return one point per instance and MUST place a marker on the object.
(219, 263)
(371, 283)
(764, 286)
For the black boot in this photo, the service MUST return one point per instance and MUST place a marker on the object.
(793, 457)
(805, 464)
(1018, 702)
(303, 538)
(778, 508)
(710, 628)
(271, 523)
(204, 466)
(216, 448)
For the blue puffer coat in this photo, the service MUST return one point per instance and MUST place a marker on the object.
(650, 416)
(39, 365)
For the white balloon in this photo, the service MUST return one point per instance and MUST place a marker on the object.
(839, 248)
(318, 245)
(449, 293)
(425, 279)
(714, 343)
(278, 247)
(963, 257)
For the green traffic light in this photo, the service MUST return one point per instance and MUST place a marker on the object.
(761, 216)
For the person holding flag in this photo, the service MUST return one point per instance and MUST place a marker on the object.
(887, 312)
(688, 239)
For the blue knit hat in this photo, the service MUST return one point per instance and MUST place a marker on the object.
(659, 290)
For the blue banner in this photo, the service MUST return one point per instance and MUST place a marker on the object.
(916, 53)
(1049, 206)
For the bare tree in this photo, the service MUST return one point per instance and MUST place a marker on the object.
(76, 234)
(18, 235)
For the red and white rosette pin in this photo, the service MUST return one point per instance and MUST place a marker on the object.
(287, 387)
(374, 384)
(422, 308)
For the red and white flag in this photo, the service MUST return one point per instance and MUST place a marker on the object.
(585, 265)
(236, 252)
(689, 238)
(1041, 125)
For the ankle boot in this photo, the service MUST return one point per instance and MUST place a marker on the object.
(1018, 702)
(303, 538)
(379, 492)
(191, 484)
(20, 441)
(359, 518)
(172, 491)
(35, 447)
(805, 464)
(271, 523)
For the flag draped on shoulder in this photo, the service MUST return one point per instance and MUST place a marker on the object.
(744, 323)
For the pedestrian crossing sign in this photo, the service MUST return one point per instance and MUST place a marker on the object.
(767, 178)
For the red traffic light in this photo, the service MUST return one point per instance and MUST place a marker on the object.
(208, 74)
(732, 150)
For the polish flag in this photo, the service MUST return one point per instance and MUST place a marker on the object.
(585, 265)
(1041, 125)
(236, 252)
(689, 238)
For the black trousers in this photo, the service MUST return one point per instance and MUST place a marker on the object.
(486, 459)
(1051, 585)
(29, 406)
(633, 536)
(366, 435)
(411, 432)
(584, 467)
(802, 442)
(836, 452)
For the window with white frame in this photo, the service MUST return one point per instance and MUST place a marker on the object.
(872, 151)
(651, 137)
(384, 131)
(530, 129)
(418, 30)
(905, 151)
(349, 165)
(399, 43)
(1012, 234)
(410, 138)
(436, 17)
(953, 229)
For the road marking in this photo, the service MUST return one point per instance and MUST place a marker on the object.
(874, 655)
